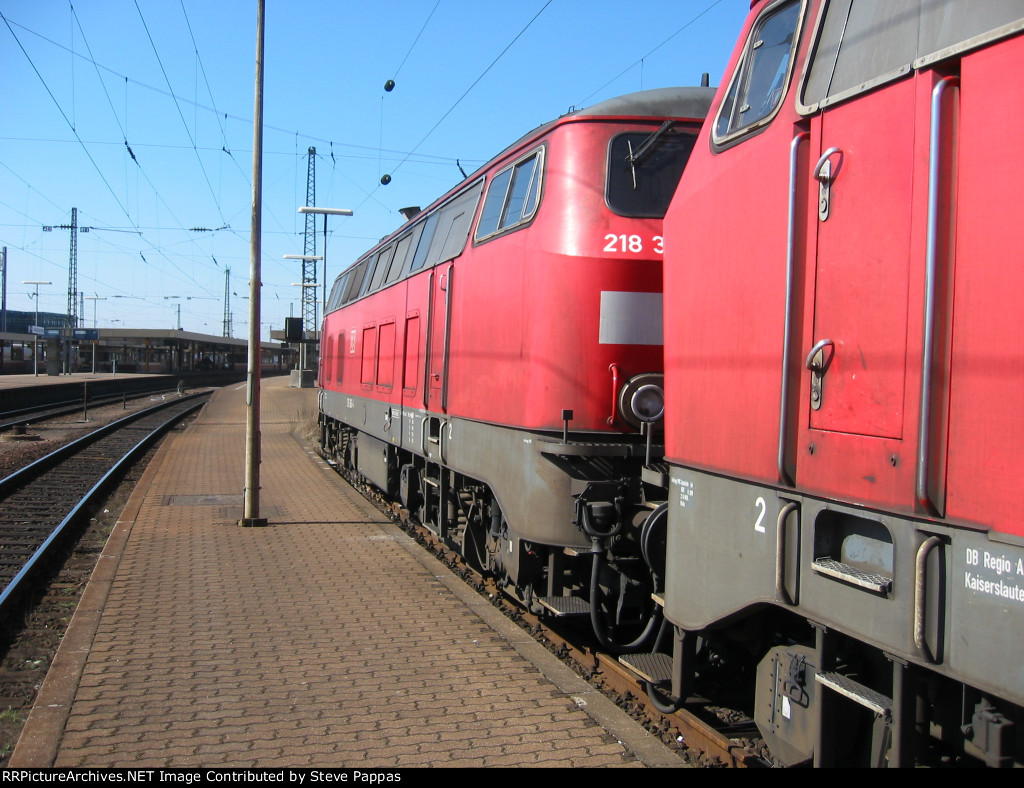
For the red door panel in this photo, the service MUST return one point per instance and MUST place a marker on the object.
(861, 302)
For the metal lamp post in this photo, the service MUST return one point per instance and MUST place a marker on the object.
(35, 341)
(325, 212)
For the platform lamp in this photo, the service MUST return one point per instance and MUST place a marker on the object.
(325, 212)
(35, 341)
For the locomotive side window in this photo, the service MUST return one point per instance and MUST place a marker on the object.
(512, 197)
(337, 292)
(863, 44)
(366, 276)
(380, 268)
(453, 224)
(491, 214)
(354, 281)
(644, 169)
(398, 264)
(762, 74)
(420, 258)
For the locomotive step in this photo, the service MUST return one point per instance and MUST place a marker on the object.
(868, 698)
(565, 606)
(873, 582)
(579, 449)
(655, 668)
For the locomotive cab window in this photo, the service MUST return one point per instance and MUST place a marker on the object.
(512, 197)
(762, 74)
(860, 45)
(644, 169)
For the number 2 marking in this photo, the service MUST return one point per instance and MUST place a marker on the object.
(760, 504)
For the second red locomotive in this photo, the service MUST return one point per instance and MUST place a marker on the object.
(496, 362)
(845, 424)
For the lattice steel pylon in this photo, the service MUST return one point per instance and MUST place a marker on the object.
(227, 302)
(309, 283)
(72, 318)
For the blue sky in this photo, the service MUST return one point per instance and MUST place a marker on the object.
(139, 114)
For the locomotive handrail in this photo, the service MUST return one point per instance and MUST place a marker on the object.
(614, 369)
(920, 592)
(794, 147)
(931, 265)
(447, 286)
(780, 554)
(429, 338)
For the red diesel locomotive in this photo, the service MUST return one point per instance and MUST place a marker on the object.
(496, 362)
(844, 370)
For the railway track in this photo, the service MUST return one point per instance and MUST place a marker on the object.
(707, 735)
(41, 504)
(23, 417)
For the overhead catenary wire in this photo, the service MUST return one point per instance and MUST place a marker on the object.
(177, 106)
(475, 82)
(226, 115)
(357, 179)
(640, 61)
(67, 120)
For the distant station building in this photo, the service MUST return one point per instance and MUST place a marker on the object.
(126, 350)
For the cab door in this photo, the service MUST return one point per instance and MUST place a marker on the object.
(442, 287)
(865, 285)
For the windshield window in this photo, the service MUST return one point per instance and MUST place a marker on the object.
(642, 185)
(760, 80)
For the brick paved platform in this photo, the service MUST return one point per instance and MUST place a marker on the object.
(328, 638)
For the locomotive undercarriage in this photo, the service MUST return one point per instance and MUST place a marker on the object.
(860, 638)
(602, 577)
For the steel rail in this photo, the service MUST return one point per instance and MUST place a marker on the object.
(18, 479)
(55, 410)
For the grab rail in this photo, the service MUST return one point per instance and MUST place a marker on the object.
(787, 331)
(931, 266)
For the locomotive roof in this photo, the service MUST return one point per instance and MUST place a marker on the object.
(661, 102)
(676, 102)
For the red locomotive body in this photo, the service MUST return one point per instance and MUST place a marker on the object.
(844, 363)
(492, 361)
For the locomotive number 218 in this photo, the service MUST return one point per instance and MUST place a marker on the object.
(631, 243)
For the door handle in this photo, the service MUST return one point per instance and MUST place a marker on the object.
(818, 363)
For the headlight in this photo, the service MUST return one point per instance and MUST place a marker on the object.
(642, 399)
(648, 403)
